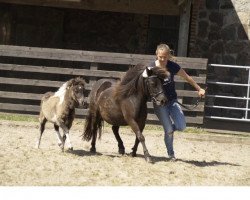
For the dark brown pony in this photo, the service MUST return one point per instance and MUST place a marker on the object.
(59, 109)
(124, 103)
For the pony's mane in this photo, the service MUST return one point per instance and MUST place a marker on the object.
(129, 83)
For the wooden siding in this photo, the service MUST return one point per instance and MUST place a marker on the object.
(157, 7)
(22, 85)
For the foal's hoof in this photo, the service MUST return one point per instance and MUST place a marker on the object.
(70, 149)
(121, 151)
(61, 146)
(149, 160)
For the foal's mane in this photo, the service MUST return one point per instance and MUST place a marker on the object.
(130, 84)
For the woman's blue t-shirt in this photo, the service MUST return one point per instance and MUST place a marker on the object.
(169, 84)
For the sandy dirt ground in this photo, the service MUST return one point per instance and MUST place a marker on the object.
(203, 159)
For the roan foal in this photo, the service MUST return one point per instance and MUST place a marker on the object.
(59, 108)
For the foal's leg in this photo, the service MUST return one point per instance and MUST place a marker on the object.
(43, 121)
(119, 140)
(66, 136)
(59, 137)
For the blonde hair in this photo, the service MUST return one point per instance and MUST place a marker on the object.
(165, 47)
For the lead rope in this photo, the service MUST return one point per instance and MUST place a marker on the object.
(193, 106)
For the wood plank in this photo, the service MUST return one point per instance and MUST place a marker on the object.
(32, 96)
(192, 120)
(78, 72)
(156, 7)
(20, 95)
(58, 70)
(196, 79)
(57, 84)
(91, 56)
(35, 82)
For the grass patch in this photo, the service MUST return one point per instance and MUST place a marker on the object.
(16, 117)
(30, 118)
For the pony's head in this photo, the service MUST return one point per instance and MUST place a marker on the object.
(76, 87)
(154, 77)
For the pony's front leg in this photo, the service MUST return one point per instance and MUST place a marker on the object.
(134, 148)
(141, 138)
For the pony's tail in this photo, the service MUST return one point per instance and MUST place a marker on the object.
(93, 125)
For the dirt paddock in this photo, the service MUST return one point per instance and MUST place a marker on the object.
(203, 159)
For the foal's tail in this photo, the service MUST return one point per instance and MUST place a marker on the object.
(93, 124)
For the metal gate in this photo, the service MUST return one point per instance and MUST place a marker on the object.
(243, 88)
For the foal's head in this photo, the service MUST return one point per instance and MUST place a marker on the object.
(76, 89)
(154, 78)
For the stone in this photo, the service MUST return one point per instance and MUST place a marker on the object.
(212, 4)
(228, 60)
(226, 4)
(217, 47)
(203, 44)
(217, 18)
(234, 46)
(202, 14)
(214, 35)
(243, 58)
(229, 32)
(242, 32)
(203, 28)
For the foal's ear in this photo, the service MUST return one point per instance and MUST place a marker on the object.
(147, 72)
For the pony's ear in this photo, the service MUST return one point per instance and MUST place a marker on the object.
(147, 72)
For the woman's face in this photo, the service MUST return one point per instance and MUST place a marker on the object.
(162, 56)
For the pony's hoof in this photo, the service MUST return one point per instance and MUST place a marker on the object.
(121, 151)
(133, 154)
(92, 150)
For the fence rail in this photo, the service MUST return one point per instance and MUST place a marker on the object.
(28, 72)
(245, 96)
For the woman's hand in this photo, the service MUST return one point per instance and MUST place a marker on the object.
(201, 92)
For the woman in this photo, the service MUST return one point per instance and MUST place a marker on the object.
(171, 115)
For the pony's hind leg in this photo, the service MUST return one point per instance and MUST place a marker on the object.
(59, 137)
(43, 121)
(93, 142)
(121, 148)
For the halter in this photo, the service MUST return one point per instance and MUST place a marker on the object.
(154, 96)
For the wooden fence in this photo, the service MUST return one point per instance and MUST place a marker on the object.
(28, 72)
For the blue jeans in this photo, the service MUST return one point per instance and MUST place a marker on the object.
(172, 118)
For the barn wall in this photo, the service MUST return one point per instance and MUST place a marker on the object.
(220, 31)
(86, 30)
